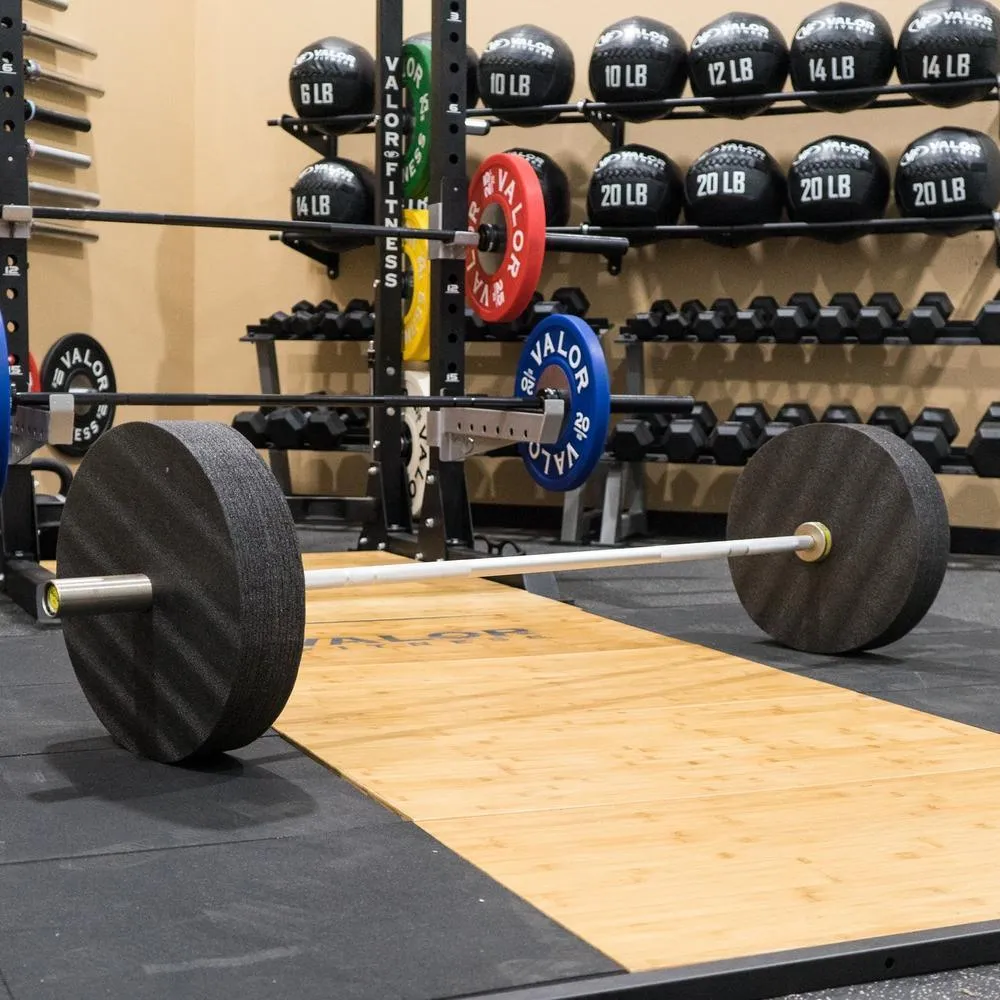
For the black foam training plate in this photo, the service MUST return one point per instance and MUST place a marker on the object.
(887, 515)
(192, 506)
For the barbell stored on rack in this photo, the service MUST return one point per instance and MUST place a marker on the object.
(53, 154)
(182, 592)
(42, 34)
(60, 119)
(562, 379)
(35, 71)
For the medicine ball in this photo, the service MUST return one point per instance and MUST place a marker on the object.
(635, 186)
(336, 190)
(950, 40)
(840, 47)
(838, 179)
(734, 183)
(736, 55)
(555, 185)
(638, 59)
(523, 67)
(950, 171)
(333, 77)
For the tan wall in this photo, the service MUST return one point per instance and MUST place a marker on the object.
(183, 125)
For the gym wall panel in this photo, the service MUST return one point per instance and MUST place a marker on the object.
(133, 289)
(184, 125)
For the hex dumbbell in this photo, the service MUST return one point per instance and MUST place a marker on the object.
(790, 415)
(689, 437)
(635, 437)
(252, 424)
(928, 319)
(984, 448)
(838, 319)
(712, 323)
(932, 434)
(734, 441)
(757, 320)
(893, 418)
(841, 413)
(877, 319)
(793, 321)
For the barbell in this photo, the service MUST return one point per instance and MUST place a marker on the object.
(562, 358)
(505, 242)
(182, 593)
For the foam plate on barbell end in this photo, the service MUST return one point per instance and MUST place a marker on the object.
(888, 520)
(192, 506)
(5, 410)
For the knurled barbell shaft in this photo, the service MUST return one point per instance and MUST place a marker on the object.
(671, 405)
(115, 594)
(485, 239)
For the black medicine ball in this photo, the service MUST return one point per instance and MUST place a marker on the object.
(950, 171)
(335, 191)
(950, 40)
(736, 55)
(332, 77)
(638, 59)
(840, 47)
(554, 182)
(838, 179)
(523, 67)
(734, 183)
(635, 186)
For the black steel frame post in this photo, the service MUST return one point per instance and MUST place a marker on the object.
(387, 355)
(449, 208)
(18, 530)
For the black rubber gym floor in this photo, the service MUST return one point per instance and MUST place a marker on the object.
(267, 875)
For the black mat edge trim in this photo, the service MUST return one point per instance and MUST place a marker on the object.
(803, 970)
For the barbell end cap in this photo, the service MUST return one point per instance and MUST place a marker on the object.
(50, 600)
(822, 541)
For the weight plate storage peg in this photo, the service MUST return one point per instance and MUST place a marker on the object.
(564, 353)
(79, 362)
(505, 192)
(209, 668)
(416, 317)
(884, 509)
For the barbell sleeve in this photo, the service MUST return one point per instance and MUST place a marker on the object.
(68, 194)
(62, 5)
(42, 34)
(61, 119)
(53, 154)
(34, 70)
(109, 595)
